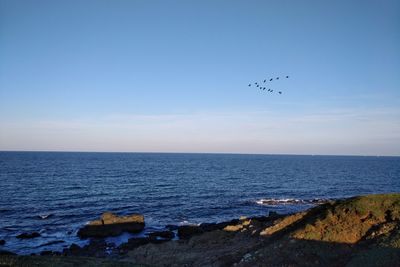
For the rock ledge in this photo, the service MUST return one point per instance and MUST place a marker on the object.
(112, 225)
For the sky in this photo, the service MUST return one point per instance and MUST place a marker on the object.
(172, 76)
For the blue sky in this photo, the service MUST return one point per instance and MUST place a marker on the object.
(172, 76)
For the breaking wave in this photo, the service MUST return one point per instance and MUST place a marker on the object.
(290, 201)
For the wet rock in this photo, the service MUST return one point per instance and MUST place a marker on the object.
(273, 214)
(28, 235)
(46, 253)
(262, 219)
(96, 248)
(206, 227)
(186, 231)
(113, 225)
(2, 242)
(5, 252)
(162, 234)
(133, 243)
(172, 227)
(74, 247)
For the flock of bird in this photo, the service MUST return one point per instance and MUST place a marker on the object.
(263, 87)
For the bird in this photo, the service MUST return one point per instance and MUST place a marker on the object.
(249, 84)
(270, 80)
(263, 88)
(277, 78)
(271, 90)
(265, 80)
(280, 92)
(287, 77)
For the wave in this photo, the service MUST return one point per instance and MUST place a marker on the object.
(290, 201)
(44, 216)
(4, 210)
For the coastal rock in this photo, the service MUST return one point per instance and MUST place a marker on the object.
(133, 243)
(5, 252)
(113, 225)
(96, 248)
(206, 227)
(72, 249)
(273, 214)
(172, 227)
(186, 231)
(28, 235)
(233, 228)
(360, 231)
(162, 234)
(46, 253)
(2, 242)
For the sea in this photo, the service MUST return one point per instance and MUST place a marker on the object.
(56, 193)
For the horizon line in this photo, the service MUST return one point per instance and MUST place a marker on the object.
(208, 153)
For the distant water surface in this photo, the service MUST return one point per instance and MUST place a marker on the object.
(55, 193)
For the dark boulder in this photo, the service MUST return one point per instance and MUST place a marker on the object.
(206, 227)
(46, 253)
(186, 231)
(96, 248)
(172, 227)
(273, 214)
(261, 218)
(2, 242)
(5, 252)
(162, 234)
(74, 248)
(112, 225)
(133, 243)
(28, 235)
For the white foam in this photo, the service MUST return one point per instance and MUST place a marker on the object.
(288, 201)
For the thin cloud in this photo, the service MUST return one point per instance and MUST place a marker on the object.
(340, 131)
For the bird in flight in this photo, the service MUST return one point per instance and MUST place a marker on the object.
(269, 89)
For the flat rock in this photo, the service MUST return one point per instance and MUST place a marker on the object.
(112, 225)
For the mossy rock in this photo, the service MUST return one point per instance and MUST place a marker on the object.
(348, 221)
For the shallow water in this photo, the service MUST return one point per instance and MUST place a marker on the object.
(55, 193)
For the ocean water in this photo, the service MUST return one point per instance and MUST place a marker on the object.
(55, 193)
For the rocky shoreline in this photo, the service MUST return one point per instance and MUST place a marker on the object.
(361, 230)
